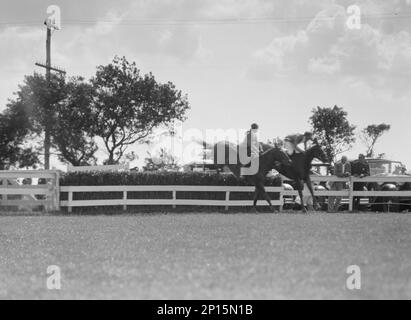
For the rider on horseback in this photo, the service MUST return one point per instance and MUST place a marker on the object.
(292, 141)
(251, 140)
(252, 145)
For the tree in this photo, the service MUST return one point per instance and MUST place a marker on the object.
(333, 130)
(14, 128)
(129, 106)
(65, 107)
(41, 100)
(163, 161)
(371, 134)
(72, 133)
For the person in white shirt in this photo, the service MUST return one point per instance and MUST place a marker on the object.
(342, 169)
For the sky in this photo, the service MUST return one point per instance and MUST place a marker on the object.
(239, 62)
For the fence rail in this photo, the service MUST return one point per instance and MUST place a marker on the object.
(14, 193)
(173, 201)
(350, 193)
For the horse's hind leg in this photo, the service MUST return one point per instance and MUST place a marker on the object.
(256, 194)
(267, 197)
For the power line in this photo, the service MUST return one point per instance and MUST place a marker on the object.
(154, 22)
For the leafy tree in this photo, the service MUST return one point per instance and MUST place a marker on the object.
(129, 106)
(333, 130)
(14, 128)
(371, 134)
(72, 134)
(41, 100)
(64, 107)
(163, 161)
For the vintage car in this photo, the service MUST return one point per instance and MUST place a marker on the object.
(388, 169)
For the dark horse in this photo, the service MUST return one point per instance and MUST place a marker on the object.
(300, 169)
(272, 158)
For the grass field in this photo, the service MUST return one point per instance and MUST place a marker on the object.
(206, 256)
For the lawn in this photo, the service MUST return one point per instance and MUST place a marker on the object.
(206, 256)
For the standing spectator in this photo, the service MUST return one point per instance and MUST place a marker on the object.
(342, 169)
(27, 181)
(360, 168)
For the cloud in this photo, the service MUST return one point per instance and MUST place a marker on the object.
(324, 65)
(327, 47)
(18, 54)
(239, 8)
(138, 28)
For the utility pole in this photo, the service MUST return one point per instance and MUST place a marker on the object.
(48, 111)
(47, 141)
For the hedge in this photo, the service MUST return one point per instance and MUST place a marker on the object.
(156, 178)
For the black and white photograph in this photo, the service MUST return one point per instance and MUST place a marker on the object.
(205, 150)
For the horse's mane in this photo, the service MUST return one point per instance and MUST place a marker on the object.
(311, 150)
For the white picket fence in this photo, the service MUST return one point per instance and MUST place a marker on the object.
(13, 193)
(29, 196)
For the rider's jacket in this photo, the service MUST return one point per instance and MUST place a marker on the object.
(295, 140)
(253, 145)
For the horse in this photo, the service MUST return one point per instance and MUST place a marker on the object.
(299, 170)
(271, 158)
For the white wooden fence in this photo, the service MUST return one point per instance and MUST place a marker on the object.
(173, 201)
(349, 193)
(13, 193)
(29, 196)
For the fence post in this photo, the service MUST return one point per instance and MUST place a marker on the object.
(281, 194)
(281, 199)
(5, 185)
(125, 200)
(57, 192)
(174, 198)
(227, 199)
(351, 198)
(70, 199)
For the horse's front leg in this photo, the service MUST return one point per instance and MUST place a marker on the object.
(267, 198)
(256, 194)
